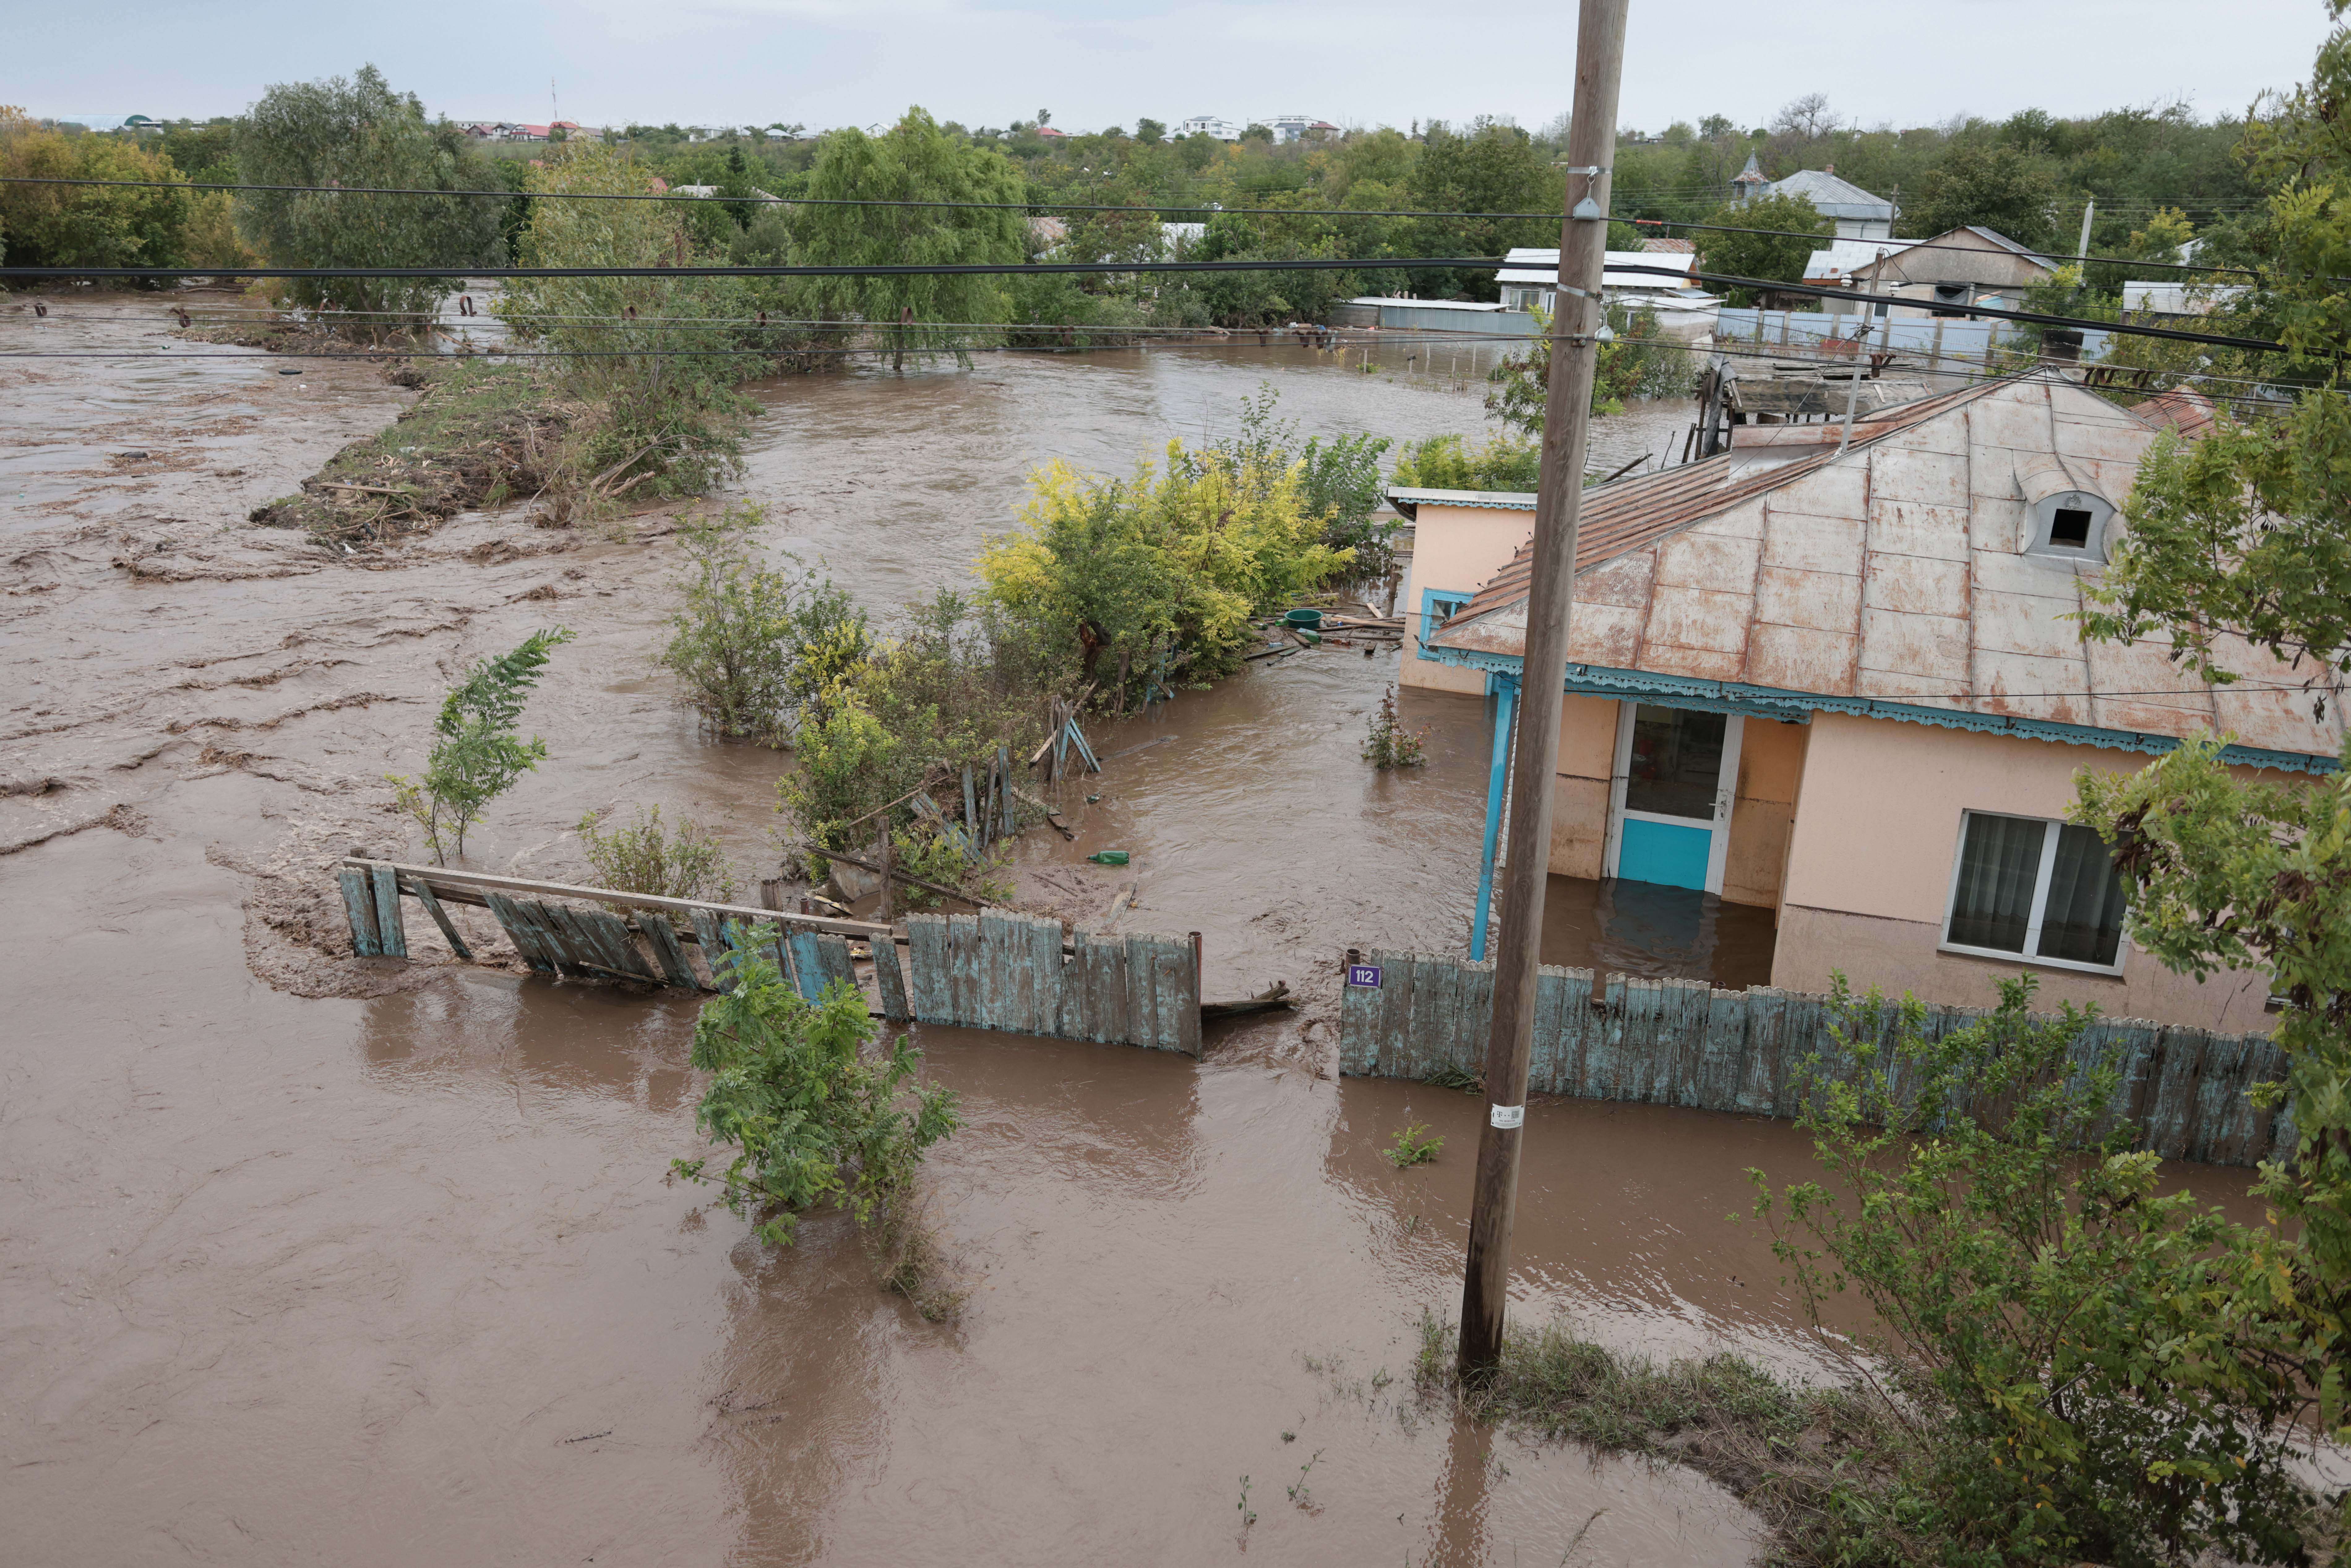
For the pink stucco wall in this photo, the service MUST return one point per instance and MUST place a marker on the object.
(1876, 836)
(1456, 549)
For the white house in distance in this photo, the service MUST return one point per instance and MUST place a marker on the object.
(1210, 125)
(1843, 688)
(1857, 213)
(1664, 282)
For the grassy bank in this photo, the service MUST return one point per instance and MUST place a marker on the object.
(1829, 1471)
(482, 434)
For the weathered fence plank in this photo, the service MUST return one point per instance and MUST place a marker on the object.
(1679, 1042)
(662, 940)
(449, 934)
(890, 980)
(359, 905)
(390, 932)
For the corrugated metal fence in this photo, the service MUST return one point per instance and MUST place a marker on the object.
(1682, 1042)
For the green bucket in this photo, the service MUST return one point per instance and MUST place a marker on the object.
(1307, 619)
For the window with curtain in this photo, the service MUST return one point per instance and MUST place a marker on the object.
(2036, 889)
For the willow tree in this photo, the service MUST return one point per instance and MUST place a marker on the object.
(915, 160)
(656, 358)
(360, 133)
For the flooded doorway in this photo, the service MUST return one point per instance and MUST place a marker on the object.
(1669, 795)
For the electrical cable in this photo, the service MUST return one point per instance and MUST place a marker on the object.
(1067, 207)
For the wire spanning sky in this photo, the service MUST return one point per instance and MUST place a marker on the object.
(1093, 63)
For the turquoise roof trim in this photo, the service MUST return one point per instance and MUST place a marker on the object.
(1773, 702)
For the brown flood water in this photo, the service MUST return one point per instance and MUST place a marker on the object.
(304, 1259)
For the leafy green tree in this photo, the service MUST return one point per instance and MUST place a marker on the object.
(1162, 571)
(478, 752)
(2002, 188)
(915, 160)
(1150, 132)
(67, 225)
(652, 367)
(1780, 256)
(2241, 537)
(1494, 168)
(810, 1118)
(360, 132)
(2060, 1326)
(1505, 462)
(1639, 362)
(1340, 476)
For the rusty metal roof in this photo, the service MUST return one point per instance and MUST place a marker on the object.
(1907, 572)
(1618, 519)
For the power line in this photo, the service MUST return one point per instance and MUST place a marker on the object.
(1059, 207)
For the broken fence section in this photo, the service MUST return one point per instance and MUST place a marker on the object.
(1681, 1042)
(997, 970)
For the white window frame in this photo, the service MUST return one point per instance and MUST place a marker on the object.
(2028, 957)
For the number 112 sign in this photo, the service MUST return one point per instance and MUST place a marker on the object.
(1365, 975)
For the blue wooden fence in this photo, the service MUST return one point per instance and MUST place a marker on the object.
(996, 969)
(1681, 1042)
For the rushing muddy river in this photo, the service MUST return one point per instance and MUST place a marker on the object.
(306, 1259)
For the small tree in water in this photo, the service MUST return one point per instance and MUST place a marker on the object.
(809, 1114)
(1391, 745)
(479, 753)
(644, 857)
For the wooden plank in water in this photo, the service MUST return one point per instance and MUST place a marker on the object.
(890, 980)
(423, 891)
(1435, 993)
(1682, 1007)
(2168, 1132)
(834, 964)
(358, 904)
(390, 932)
(1608, 1074)
(1142, 995)
(1107, 1000)
(1723, 1057)
(518, 932)
(1184, 967)
(662, 940)
(1580, 1024)
(808, 964)
(519, 888)
(552, 941)
(1767, 1017)
(710, 935)
(930, 969)
(616, 938)
(1049, 976)
(1179, 996)
(962, 946)
(1359, 1023)
(1397, 973)
(1473, 1016)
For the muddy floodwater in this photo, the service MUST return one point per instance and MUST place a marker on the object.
(305, 1258)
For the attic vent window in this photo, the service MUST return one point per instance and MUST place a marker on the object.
(2071, 527)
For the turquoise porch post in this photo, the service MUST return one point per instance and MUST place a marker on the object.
(1506, 692)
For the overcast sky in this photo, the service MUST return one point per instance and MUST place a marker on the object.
(839, 62)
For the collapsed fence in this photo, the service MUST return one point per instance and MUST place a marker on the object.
(1661, 1041)
(997, 970)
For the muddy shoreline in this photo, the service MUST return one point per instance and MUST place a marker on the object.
(305, 1257)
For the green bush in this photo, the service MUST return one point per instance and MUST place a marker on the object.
(755, 649)
(1506, 463)
(811, 1117)
(644, 857)
(1155, 577)
(2063, 1326)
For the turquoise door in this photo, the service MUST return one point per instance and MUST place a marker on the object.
(1677, 769)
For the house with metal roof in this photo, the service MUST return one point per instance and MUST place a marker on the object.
(1969, 265)
(1838, 681)
(1857, 213)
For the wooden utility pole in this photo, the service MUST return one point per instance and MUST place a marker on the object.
(1567, 415)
